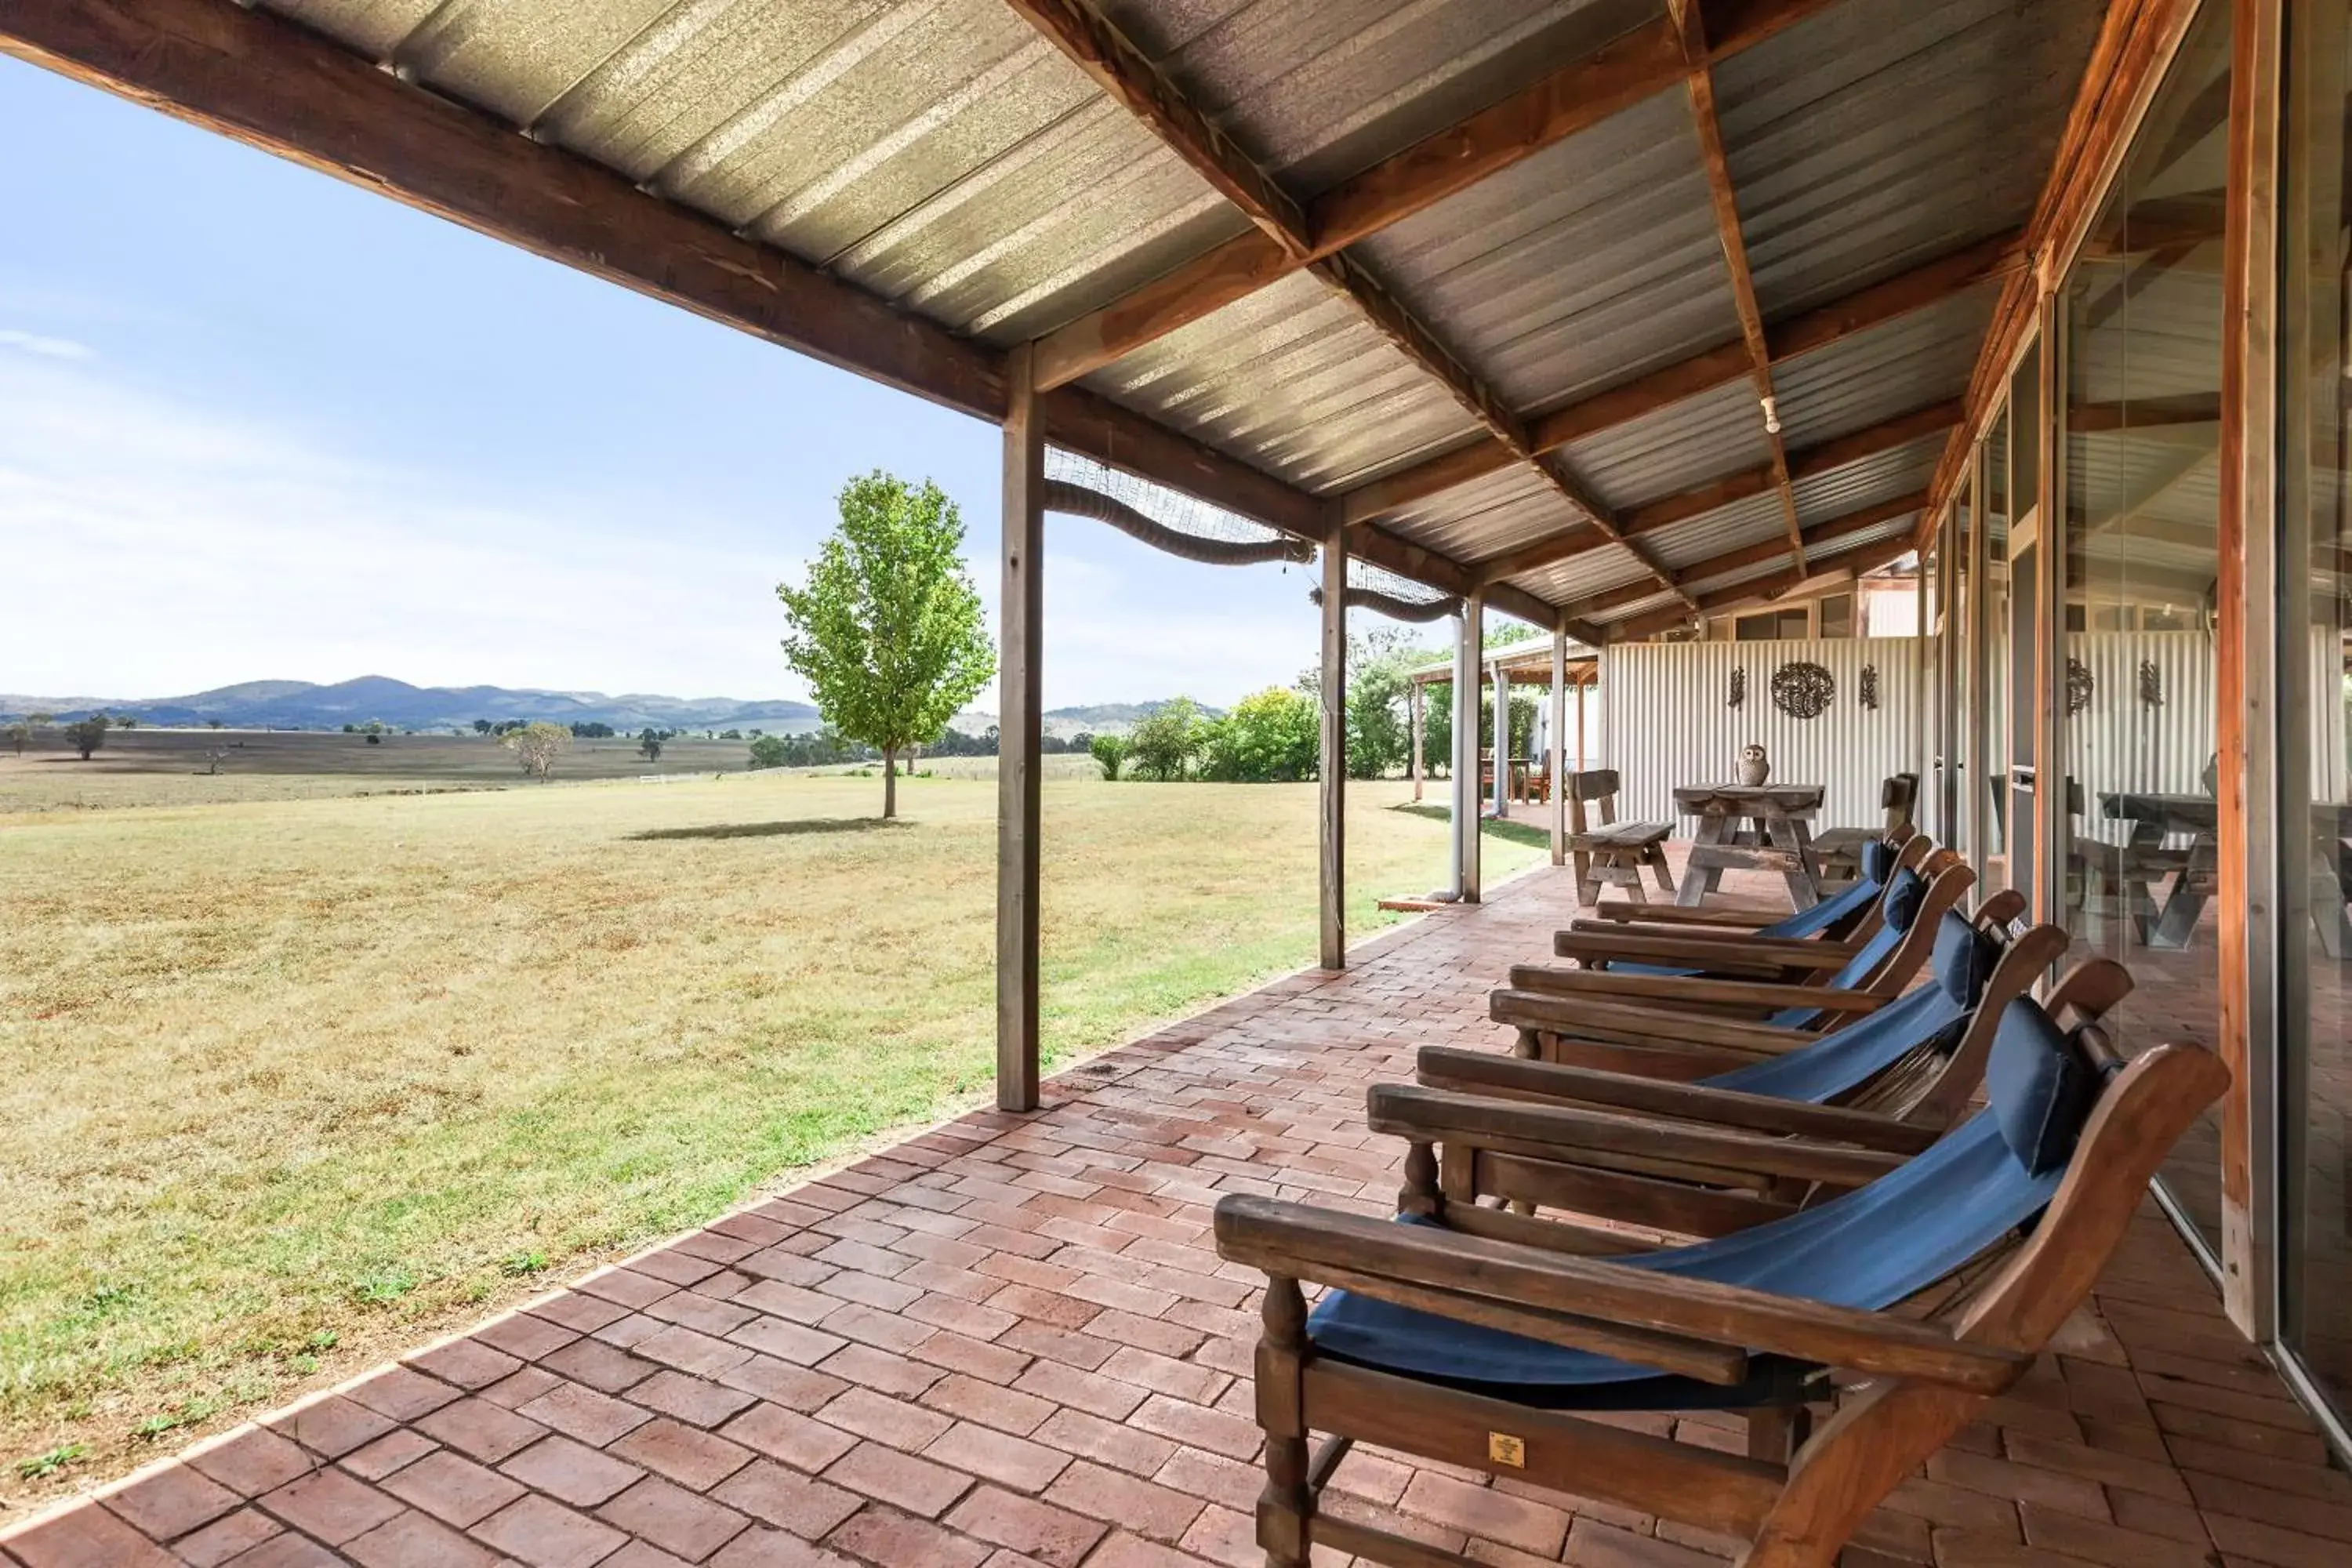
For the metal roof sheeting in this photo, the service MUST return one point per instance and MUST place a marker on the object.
(1317, 92)
(1879, 132)
(1679, 448)
(945, 156)
(1882, 476)
(1702, 538)
(1295, 380)
(1593, 260)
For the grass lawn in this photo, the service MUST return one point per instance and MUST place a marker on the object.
(293, 1084)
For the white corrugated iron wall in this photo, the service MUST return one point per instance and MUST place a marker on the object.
(2122, 742)
(1665, 722)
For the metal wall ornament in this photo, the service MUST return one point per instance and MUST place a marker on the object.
(1803, 690)
(1868, 694)
(2079, 687)
(1738, 687)
(2151, 684)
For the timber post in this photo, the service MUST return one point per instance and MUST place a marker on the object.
(1018, 785)
(1333, 880)
(1466, 744)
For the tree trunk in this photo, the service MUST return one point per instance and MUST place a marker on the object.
(889, 783)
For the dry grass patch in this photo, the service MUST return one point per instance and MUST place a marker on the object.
(292, 1084)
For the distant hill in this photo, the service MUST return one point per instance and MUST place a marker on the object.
(1092, 718)
(306, 705)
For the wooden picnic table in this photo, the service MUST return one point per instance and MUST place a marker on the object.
(2157, 815)
(1761, 827)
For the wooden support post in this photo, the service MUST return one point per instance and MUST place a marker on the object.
(1020, 669)
(1556, 763)
(1502, 684)
(1334, 835)
(1420, 772)
(1466, 744)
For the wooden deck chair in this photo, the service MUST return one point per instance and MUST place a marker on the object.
(1611, 852)
(1733, 1149)
(1922, 1288)
(1838, 852)
(1549, 1000)
(1789, 950)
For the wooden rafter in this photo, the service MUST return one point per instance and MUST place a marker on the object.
(1924, 286)
(280, 86)
(1631, 68)
(1132, 79)
(1783, 586)
(1667, 510)
(1860, 521)
(1690, 32)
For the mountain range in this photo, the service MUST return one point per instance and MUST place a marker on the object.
(307, 705)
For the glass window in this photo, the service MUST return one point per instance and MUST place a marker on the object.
(2314, 822)
(2141, 318)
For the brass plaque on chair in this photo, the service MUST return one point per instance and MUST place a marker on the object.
(1505, 1449)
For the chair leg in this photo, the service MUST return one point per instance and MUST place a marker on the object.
(1659, 869)
(1775, 1431)
(1588, 891)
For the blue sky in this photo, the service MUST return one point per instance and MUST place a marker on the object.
(258, 424)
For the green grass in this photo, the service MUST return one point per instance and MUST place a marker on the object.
(293, 1084)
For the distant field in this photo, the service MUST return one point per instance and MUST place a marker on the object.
(292, 1084)
(171, 767)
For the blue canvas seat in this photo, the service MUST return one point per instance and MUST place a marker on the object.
(1869, 1249)
(1831, 915)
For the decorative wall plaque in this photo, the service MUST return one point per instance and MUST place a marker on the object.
(1868, 695)
(1738, 687)
(1803, 690)
(2079, 687)
(2151, 684)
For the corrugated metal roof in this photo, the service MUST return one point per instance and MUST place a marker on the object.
(1595, 572)
(1295, 380)
(1709, 534)
(1499, 512)
(1319, 92)
(1879, 478)
(1591, 261)
(1755, 572)
(1879, 132)
(1904, 363)
(1679, 448)
(1826, 554)
(943, 155)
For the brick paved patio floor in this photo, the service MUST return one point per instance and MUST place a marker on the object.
(1010, 1341)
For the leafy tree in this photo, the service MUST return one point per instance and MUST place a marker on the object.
(1110, 753)
(537, 745)
(86, 735)
(731, 734)
(1271, 736)
(128, 721)
(650, 743)
(1162, 742)
(16, 735)
(481, 726)
(768, 751)
(888, 631)
(587, 729)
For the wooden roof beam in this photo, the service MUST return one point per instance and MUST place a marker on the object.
(1636, 66)
(1122, 70)
(1690, 31)
(1929, 284)
(1780, 586)
(1652, 516)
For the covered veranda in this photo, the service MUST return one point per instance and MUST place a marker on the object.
(1605, 317)
(1010, 1341)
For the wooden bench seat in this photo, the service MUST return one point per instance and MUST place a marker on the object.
(1838, 852)
(1611, 852)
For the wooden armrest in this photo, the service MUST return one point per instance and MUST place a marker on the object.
(1676, 915)
(1582, 1301)
(1690, 991)
(1735, 1039)
(1548, 1132)
(1483, 1072)
(1711, 952)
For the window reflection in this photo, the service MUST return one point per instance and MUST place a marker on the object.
(2141, 318)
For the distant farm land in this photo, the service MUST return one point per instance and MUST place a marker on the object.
(176, 767)
(292, 1084)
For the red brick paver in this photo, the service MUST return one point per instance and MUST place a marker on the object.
(1009, 1341)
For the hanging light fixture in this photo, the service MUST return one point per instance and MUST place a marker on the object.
(1771, 418)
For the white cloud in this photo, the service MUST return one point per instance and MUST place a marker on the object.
(36, 344)
(155, 547)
